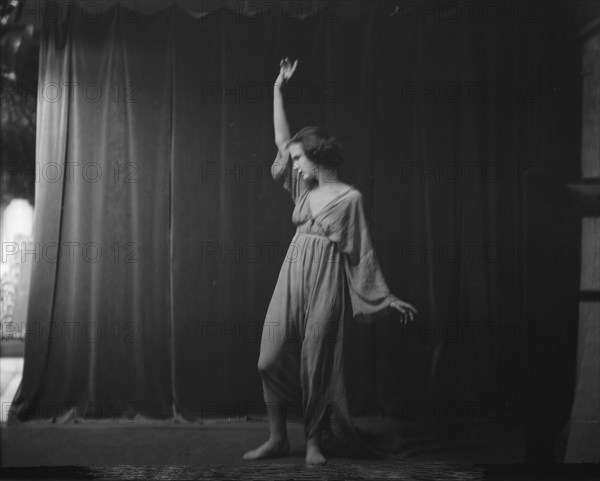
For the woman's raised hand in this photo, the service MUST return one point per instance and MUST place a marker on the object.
(407, 311)
(286, 70)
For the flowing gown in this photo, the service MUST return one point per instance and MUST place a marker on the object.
(301, 355)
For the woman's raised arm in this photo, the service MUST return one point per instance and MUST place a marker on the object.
(280, 124)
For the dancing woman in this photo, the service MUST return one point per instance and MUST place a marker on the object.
(302, 339)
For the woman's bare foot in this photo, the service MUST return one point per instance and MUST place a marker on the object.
(271, 448)
(314, 456)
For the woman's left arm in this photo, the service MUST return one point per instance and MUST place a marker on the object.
(369, 292)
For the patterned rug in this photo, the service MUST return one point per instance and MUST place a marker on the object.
(408, 471)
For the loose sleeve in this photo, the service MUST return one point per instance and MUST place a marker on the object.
(293, 181)
(369, 292)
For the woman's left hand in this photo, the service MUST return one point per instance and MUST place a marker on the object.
(406, 310)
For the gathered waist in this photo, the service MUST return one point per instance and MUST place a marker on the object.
(310, 234)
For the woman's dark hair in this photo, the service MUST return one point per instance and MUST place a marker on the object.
(319, 146)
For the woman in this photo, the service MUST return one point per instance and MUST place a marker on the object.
(301, 346)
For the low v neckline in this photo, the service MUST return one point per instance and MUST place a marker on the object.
(322, 209)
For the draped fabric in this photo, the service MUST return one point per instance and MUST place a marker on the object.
(347, 227)
(302, 347)
(153, 147)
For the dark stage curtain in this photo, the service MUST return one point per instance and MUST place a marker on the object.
(154, 142)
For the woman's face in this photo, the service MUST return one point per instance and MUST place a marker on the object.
(307, 167)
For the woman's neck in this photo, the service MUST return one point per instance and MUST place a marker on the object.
(327, 178)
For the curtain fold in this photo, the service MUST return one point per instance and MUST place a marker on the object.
(50, 156)
(177, 231)
(106, 339)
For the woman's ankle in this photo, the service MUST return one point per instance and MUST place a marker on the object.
(278, 438)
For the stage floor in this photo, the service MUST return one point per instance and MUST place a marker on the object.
(214, 451)
(131, 443)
